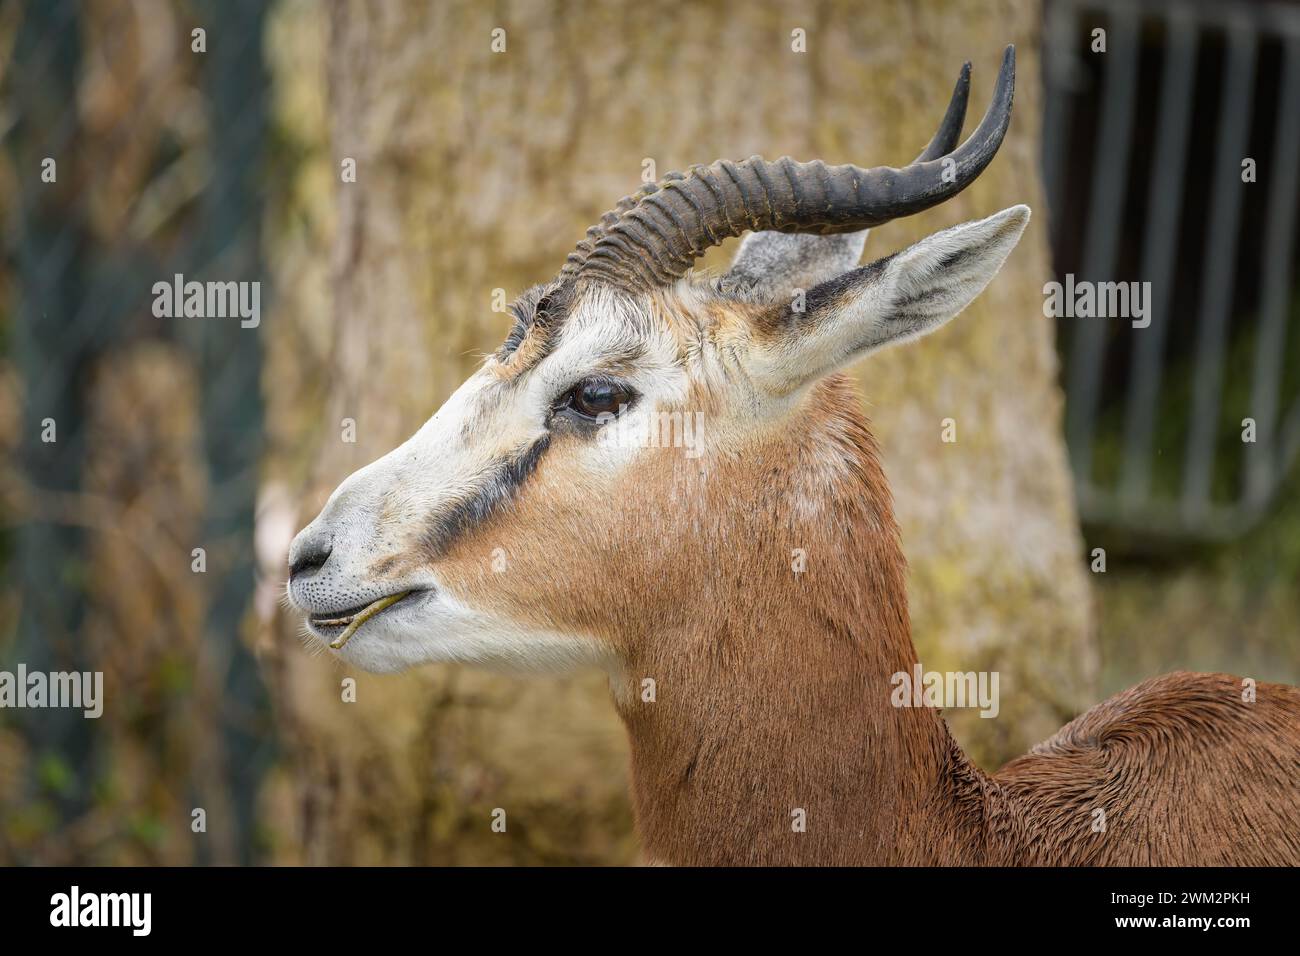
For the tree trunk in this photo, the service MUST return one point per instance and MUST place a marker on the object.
(477, 171)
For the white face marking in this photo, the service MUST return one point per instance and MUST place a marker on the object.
(384, 511)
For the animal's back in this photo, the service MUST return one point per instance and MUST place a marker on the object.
(1179, 770)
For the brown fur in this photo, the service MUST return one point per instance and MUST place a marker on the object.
(773, 687)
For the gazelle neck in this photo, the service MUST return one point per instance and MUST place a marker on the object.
(771, 738)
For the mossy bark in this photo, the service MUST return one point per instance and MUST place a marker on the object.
(476, 171)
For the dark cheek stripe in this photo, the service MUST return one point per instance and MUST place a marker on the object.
(507, 476)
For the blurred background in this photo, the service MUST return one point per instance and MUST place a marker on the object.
(382, 168)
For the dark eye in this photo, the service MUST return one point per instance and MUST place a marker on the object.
(594, 397)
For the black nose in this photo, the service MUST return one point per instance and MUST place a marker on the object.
(310, 554)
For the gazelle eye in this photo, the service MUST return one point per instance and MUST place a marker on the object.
(594, 397)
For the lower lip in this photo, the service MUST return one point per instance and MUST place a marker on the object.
(342, 629)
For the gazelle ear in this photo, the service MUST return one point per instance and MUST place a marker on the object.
(895, 299)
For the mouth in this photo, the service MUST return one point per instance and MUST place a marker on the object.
(341, 625)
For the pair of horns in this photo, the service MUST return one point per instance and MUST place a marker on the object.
(655, 235)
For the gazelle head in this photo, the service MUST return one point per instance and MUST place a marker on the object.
(596, 479)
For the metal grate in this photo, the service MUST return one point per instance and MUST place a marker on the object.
(74, 298)
(1143, 151)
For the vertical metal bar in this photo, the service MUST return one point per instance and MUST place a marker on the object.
(1287, 445)
(1217, 268)
(1058, 66)
(52, 263)
(1165, 196)
(1283, 176)
(229, 356)
(1107, 201)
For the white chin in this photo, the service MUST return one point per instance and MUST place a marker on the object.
(441, 630)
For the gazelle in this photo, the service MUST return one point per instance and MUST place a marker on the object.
(525, 526)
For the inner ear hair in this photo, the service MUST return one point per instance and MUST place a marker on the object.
(936, 278)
